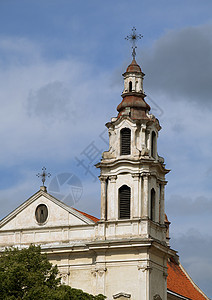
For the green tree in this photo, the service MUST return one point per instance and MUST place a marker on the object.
(27, 274)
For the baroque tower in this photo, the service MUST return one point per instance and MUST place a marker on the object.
(132, 189)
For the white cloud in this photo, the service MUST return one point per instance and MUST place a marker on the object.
(48, 108)
(18, 51)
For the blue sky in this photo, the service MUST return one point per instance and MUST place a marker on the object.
(60, 82)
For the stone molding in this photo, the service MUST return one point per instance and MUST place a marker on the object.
(102, 178)
(100, 271)
(146, 174)
(157, 297)
(136, 176)
(144, 268)
(123, 295)
(113, 178)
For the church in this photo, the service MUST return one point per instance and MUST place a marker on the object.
(126, 253)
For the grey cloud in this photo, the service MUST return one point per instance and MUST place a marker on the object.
(195, 256)
(209, 172)
(18, 51)
(51, 102)
(180, 65)
(180, 205)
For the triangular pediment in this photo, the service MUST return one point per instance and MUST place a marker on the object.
(43, 210)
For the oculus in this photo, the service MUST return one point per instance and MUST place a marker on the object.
(41, 213)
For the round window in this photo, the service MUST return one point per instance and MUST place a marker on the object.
(41, 213)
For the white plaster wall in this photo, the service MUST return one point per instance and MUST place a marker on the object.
(57, 216)
(137, 83)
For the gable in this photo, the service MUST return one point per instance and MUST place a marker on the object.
(54, 212)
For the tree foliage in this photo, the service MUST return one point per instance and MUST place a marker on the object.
(27, 274)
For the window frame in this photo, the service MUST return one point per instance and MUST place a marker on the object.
(124, 206)
(125, 135)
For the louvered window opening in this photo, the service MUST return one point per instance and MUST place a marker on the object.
(41, 213)
(124, 202)
(125, 141)
(152, 209)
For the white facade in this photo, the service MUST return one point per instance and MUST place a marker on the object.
(124, 255)
(113, 258)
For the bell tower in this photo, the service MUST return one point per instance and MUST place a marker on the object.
(132, 229)
(132, 173)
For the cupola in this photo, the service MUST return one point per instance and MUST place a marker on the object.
(133, 103)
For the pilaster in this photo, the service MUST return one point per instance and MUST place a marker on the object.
(112, 201)
(144, 274)
(157, 203)
(145, 202)
(103, 197)
(136, 204)
(162, 202)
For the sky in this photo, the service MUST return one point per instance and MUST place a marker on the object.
(61, 65)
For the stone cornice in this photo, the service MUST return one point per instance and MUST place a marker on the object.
(125, 117)
(109, 244)
(140, 162)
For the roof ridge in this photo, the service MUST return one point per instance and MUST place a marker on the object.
(87, 215)
(191, 280)
(179, 282)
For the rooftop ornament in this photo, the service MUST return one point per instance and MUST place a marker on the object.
(44, 175)
(133, 38)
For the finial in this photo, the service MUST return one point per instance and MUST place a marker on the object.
(43, 175)
(133, 37)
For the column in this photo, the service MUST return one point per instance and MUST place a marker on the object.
(136, 196)
(148, 140)
(145, 202)
(112, 200)
(157, 203)
(162, 199)
(103, 197)
(144, 149)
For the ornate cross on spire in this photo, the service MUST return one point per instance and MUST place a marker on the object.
(133, 37)
(43, 175)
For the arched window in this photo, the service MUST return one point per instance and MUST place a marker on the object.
(124, 202)
(153, 144)
(125, 141)
(152, 205)
(130, 86)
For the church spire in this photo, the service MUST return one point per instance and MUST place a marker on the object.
(133, 103)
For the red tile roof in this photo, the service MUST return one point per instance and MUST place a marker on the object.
(134, 67)
(87, 215)
(180, 283)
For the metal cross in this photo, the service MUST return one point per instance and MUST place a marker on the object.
(133, 37)
(43, 175)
